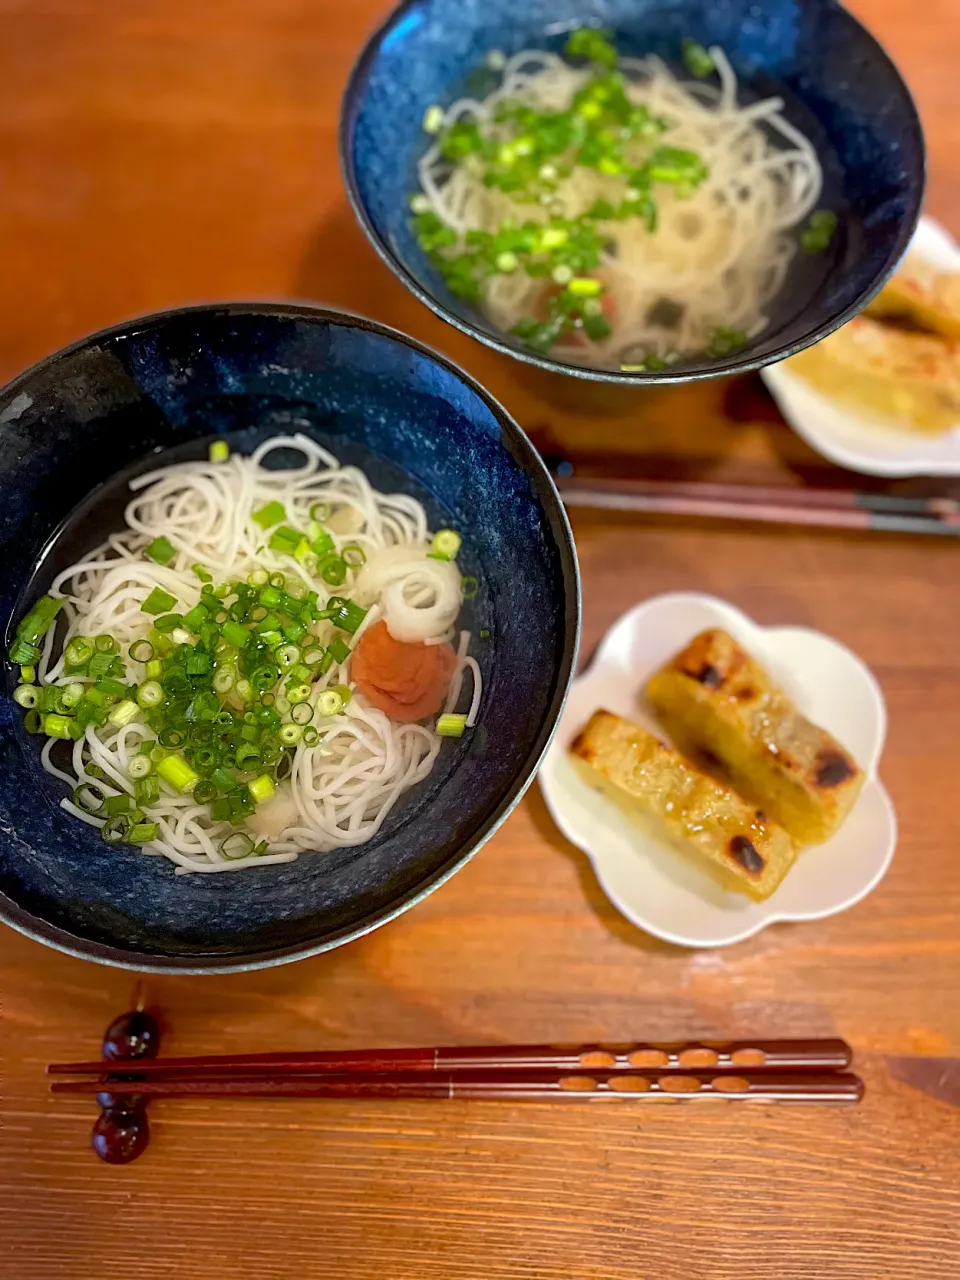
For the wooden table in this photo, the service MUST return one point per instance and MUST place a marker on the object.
(165, 152)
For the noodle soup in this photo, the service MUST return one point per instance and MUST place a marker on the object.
(615, 212)
(263, 660)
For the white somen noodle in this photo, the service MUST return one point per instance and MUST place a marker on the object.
(341, 789)
(718, 255)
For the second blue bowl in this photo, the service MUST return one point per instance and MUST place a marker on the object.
(841, 88)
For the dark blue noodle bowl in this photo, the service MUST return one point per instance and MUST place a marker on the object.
(415, 423)
(840, 88)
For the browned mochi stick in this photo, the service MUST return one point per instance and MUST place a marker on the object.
(651, 782)
(717, 703)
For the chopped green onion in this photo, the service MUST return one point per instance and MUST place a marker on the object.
(175, 771)
(115, 830)
(433, 119)
(151, 694)
(50, 698)
(33, 627)
(100, 665)
(28, 675)
(219, 451)
(334, 571)
(451, 726)
(140, 766)
(329, 703)
(154, 669)
(446, 543)
(78, 652)
(195, 618)
(161, 550)
(143, 832)
(301, 713)
(224, 679)
(115, 688)
(58, 726)
(262, 788)
(269, 515)
(237, 845)
(469, 587)
(118, 804)
(290, 734)
(26, 695)
(236, 634)
(353, 555)
(287, 656)
(105, 644)
(88, 797)
(141, 651)
(698, 60)
(284, 540)
(147, 790)
(204, 792)
(313, 656)
(169, 623)
(158, 601)
(201, 573)
(123, 713)
(71, 695)
(348, 616)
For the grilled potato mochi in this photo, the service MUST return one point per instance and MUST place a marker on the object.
(717, 703)
(649, 780)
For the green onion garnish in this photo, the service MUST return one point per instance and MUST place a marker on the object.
(158, 601)
(819, 232)
(219, 451)
(446, 543)
(143, 832)
(26, 695)
(329, 703)
(115, 829)
(88, 797)
(175, 771)
(58, 726)
(698, 60)
(140, 766)
(433, 119)
(451, 726)
(123, 713)
(269, 515)
(161, 550)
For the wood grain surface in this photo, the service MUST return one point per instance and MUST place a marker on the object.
(164, 152)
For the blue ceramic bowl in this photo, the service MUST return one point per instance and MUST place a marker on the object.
(841, 89)
(416, 424)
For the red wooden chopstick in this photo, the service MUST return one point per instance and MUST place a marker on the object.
(768, 1086)
(699, 1055)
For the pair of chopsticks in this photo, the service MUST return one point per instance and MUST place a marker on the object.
(763, 1071)
(827, 508)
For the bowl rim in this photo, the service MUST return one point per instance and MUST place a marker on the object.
(41, 930)
(350, 99)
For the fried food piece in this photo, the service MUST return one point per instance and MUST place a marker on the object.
(649, 780)
(923, 295)
(717, 703)
(911, 379)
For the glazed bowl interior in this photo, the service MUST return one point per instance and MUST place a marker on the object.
(839, 87)
(72, 432)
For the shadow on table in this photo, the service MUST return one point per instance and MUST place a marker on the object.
(621, 928)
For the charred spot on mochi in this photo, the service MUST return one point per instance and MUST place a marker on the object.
(745, 694)
(832, 769)
(707, 674)
(760, 815)
(742, 851)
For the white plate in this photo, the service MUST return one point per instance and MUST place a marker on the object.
(862, 443)
(665, 894)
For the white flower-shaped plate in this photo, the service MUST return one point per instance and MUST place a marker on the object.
(859, 442)
(663, 892)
